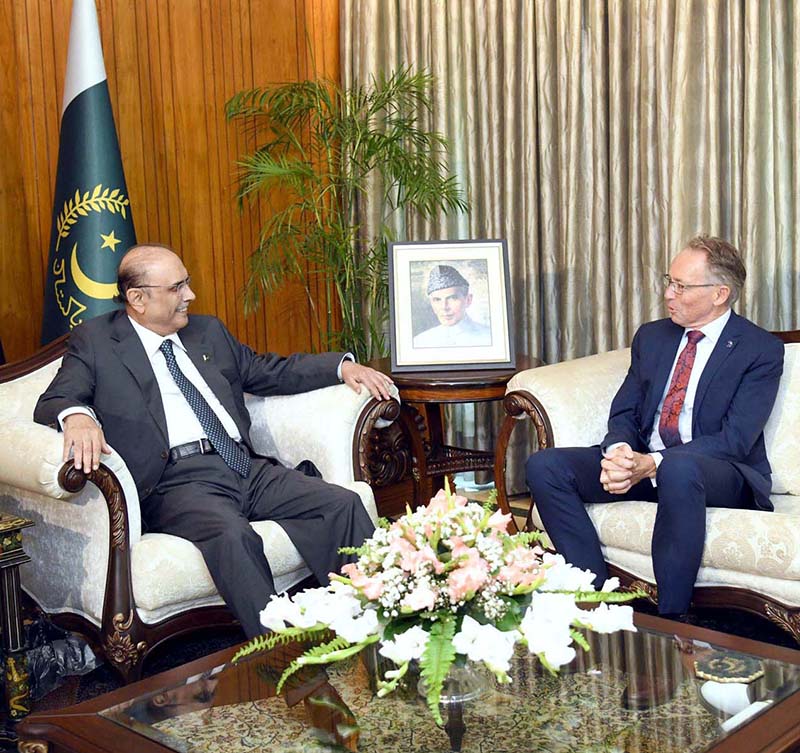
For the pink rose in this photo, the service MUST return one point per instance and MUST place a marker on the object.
(422, 597)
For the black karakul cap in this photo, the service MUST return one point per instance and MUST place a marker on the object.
(444, 276)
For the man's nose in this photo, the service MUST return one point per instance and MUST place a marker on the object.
(669, 293)
(188, 294)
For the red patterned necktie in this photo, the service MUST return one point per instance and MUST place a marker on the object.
(676, 394)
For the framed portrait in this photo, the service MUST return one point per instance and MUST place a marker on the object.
(449, 305)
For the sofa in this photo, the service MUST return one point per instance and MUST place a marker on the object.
(92, 568)
(751, 559)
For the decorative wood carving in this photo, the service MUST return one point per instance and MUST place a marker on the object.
(120, 648)
(33, 746)
(73, 480)
(381, 453)
(788, 619)
(648, 588)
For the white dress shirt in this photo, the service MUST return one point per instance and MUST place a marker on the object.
(182, 423)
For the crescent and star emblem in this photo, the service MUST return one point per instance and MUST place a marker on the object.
(101, 290)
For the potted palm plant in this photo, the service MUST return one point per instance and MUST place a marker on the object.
(317, 149)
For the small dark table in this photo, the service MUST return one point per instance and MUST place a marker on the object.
(15, 665)
(424, 395)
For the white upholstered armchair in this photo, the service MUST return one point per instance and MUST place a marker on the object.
(751, 559)
(91, 567)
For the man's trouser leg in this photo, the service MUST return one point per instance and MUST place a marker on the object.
(562, 481)
(688, 483)
(200, 499)
(317, 516)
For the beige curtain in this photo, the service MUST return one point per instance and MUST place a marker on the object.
(597, 136)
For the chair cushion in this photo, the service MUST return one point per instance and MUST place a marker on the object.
(771, 547)
(168, 572)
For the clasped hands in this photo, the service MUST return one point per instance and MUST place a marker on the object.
(623, 468)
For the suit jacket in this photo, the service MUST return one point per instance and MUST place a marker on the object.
(734, 397)
(107, 369)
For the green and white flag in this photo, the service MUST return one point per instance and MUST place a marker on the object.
(92, 224)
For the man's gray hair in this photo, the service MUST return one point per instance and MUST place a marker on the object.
(724, 263)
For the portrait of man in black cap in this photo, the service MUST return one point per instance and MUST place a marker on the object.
(449, 296)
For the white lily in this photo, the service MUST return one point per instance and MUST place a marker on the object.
(281, 610)
(559, 575)
(608, 618)
(356, 629)
(405, 646)
(486, 643)
(547, 624)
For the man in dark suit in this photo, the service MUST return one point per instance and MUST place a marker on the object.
(173, 407)
(685, 428)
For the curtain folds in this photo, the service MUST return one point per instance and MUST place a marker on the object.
(597, 136)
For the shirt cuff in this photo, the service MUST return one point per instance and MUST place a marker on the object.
(77, 409)
(345, 357)
(657, 458)
(610, 449)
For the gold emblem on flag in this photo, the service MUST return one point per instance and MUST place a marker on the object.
(77, 206)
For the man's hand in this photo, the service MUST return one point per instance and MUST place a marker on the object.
(354, 375)
(86, 439)
(624, 468)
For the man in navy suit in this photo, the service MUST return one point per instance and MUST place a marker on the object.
(685, 429)
(172, 405)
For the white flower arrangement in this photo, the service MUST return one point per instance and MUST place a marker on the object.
(446, 583)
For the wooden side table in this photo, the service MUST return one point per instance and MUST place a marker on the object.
(424, 395)
(17, 685)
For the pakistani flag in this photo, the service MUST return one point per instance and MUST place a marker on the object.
(92, 224)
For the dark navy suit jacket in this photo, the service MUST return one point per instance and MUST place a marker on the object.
(734, 397)
(106, 368)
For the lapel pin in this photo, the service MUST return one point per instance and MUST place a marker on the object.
(729, 344)
(206, 356)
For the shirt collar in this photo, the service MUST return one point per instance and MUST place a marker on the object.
(152, 340)
(713, 329)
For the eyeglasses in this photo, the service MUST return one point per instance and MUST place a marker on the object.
(681, 287)
(178, 287)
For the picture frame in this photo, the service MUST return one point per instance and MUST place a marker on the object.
(450, 305)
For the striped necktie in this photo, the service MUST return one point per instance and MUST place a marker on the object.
(234, 456)
(676, 394)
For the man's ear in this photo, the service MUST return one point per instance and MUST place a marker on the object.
(135, 298)
(723, 295)
(468, 300)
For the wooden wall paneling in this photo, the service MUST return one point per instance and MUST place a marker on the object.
(19, 267)
(230, 272)
(171, 66)
(239, 75)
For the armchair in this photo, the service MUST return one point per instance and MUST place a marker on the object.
(751, 559)
(92, 568)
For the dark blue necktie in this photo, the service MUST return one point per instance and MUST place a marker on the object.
(233, 455)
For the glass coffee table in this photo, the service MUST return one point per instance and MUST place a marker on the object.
(668, 687)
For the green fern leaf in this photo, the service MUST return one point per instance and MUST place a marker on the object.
(436, 662)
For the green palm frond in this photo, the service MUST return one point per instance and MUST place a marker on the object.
(317, 148)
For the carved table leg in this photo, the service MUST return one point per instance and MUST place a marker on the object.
(15, 662)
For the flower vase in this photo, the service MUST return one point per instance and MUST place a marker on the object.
(465, 681)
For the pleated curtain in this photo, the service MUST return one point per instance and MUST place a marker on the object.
(597, 136)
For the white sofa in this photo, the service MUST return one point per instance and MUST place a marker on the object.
(751, 559)
(93, 570)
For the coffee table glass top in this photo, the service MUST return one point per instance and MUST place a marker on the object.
(646, 691)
